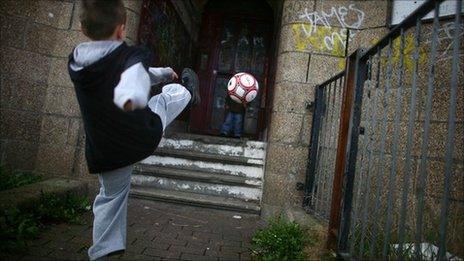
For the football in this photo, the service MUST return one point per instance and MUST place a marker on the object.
(242, 88)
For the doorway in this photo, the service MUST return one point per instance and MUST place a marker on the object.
(235, 36)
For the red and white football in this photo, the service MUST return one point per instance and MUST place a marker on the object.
(242, 88)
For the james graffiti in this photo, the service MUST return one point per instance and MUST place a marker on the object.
(327, 31)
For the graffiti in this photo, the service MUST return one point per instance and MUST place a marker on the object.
(323, 18)
(408, 53)
(444, 46)
(445, 38)
(331, 40)
(327, 32)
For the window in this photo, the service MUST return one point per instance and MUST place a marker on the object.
(402, 8)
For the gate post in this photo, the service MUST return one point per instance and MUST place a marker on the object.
(314, 143)
(361, 75)
(347, 143)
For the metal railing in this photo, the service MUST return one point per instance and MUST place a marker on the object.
(325, 123)
(398, 177)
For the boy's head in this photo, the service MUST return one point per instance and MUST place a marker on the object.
(103, 19)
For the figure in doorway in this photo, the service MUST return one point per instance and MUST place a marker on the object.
(233, 124)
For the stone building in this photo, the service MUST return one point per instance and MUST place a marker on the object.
(289, 45)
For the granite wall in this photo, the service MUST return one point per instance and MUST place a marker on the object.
(41, 129)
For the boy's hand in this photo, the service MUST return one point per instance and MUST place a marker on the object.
(174, 76)
(128, 106)
(161, 75)
(132, 91)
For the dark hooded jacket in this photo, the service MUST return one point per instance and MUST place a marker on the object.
(113, 138)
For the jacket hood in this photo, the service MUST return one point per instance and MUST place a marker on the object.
(88, 53)
(88, 59)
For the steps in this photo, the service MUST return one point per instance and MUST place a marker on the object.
(193, 175)
(198, 155)
(195, 199)
(203, 171)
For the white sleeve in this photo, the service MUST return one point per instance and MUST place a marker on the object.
(160, 74)
(134, 86)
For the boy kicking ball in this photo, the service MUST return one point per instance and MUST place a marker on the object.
(123, 125)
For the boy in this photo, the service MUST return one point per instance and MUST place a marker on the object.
(123, 126)
(234, 118)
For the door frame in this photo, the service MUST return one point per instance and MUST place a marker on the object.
(219, 18)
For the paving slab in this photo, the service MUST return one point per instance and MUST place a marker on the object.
(157, 231)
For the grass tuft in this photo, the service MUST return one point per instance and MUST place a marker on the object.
(18, 226)
(12, 178)
(281, 240)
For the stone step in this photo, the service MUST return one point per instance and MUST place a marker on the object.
(217, 140)
(199, 176)
(194, 199)
(25, 197)
(182, 161)
(239, 192)
(210, 157)
(215, 145)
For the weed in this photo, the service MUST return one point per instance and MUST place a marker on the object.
(11, 178)
(15, 228)
(18, 226)
(281, 240)
(53, 209)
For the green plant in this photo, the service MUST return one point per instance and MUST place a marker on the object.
(18, 226)
(281, 240)
(15, 228)
(51, 208)
(11, 178)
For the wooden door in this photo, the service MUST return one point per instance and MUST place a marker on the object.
(230, 44)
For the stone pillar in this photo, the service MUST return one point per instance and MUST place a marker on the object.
(313, 45)
(41, 125)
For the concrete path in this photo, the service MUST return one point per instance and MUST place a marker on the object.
(157, 231)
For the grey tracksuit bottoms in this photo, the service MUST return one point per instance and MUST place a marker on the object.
(110, 205)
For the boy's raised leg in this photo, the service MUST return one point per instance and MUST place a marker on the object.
(190, 81)
(169, 103)
(174, 98)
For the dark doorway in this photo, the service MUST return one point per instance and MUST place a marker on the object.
(235, 36)
(163, 31)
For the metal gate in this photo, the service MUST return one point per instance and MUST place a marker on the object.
(325, 123)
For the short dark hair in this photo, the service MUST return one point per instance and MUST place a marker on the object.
(99, 18)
